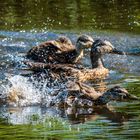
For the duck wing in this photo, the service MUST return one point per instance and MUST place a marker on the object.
(45, 52)
(85, 91)
(38, 66)
(53, 52)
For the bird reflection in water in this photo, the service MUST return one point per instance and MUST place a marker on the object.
(73, 115)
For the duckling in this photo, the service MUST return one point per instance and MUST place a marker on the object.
(98, 71)
(60, 50)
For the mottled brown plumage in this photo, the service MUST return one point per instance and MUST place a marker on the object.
(60, 50)
(82, 95)
(98, 70)
(72, 71)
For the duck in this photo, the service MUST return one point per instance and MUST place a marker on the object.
(79, 94)
(98, 70)
(82, 95)
(60, 50)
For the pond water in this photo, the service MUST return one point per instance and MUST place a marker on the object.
(26, 23)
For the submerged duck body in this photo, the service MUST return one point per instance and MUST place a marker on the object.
(98, 70)
(60, 50)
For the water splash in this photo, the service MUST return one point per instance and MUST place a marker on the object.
(22, 92)
(26, 91)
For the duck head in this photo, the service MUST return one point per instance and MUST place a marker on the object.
(99, 48)
(83, 42)
(116, 93)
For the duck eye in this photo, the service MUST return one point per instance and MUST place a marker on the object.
(83, 40)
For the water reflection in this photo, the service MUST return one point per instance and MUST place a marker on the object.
(93, 114)
(54, 122)
(75, 14)
(73, 115)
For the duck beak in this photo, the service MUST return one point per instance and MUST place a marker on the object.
(133, 97)
(115, 51)
(90, 42)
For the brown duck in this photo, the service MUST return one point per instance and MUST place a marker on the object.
(82, 95)
(98, 70)
(60, 50)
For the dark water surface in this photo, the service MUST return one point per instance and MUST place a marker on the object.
(114, 15)
(26, 23)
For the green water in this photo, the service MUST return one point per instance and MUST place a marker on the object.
(115, 15)
(25, 23)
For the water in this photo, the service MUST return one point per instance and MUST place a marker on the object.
(25, 24)
(71, 15)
